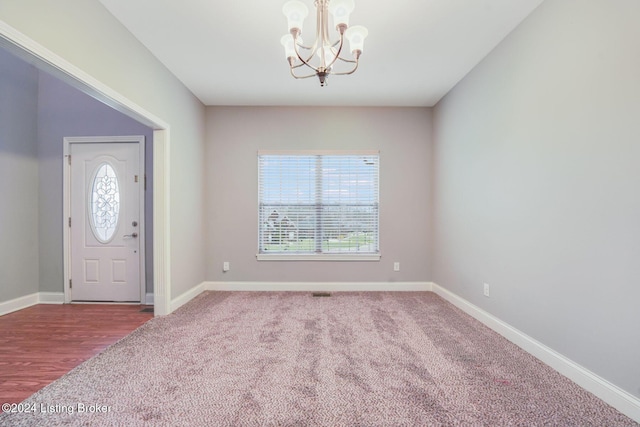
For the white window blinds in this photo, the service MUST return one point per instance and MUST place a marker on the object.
(318, 203)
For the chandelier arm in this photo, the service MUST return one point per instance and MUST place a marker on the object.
(346, 73)
(313, 49)
(307, 63)
(348, 60)
(301, 77)
(337, 54)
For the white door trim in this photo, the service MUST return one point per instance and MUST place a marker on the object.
(43, 58)
(66, 205)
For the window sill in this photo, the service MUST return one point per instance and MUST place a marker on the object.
(319, 257)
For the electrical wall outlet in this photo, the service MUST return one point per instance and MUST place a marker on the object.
(396, 266)
(486, 289)
(225, 266)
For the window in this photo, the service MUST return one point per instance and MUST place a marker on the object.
(104, 195)
(315, 205)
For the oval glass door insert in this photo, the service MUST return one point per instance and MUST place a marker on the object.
(104, 207)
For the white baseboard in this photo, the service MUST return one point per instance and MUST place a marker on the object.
(318, 286)
(297, 286)
(20, 303)
(186, 297)
(50, 297)
(608, 392)
(16, 304)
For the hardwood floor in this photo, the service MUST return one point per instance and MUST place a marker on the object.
(41, 343)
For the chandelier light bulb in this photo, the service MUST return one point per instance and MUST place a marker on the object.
(356, 36)
(328, 54)
(289, 47)
(296, 12)
(340, 10)
(289, 51)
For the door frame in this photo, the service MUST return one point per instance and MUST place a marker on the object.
(66, 206)
(44, 59)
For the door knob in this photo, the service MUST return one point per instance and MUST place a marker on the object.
(134, 235)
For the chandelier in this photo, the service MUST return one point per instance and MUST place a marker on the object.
(324, 57)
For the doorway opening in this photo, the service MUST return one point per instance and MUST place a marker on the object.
(45, 60)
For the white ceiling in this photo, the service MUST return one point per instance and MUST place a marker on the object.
(229, 52)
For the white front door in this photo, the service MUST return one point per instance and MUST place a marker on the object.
(105, 221)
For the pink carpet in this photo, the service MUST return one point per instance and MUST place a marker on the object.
(289, 359)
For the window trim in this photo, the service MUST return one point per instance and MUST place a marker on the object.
(318, 257)
(341, 257)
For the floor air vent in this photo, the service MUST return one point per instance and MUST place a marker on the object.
(321, 294)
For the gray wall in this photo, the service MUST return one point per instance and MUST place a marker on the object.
(36, 112)
(64, 111)
(18, 178)
(86, 35)
(235, 134)
(537, 157)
